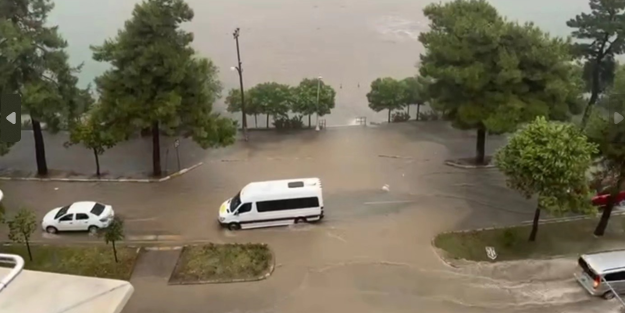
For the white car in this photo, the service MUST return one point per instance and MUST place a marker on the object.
(78, 216)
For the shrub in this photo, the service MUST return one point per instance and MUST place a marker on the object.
(509, 238)
(429, 116)
(400, 117)
(284, 122)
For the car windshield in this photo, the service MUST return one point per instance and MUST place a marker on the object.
(61, 212)
(236, 201)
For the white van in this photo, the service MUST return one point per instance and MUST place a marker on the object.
(274, 203)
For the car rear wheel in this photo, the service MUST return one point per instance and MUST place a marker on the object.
(234, 226)
(51, 230)
(300, 220)
(608, 295)
(93, 229)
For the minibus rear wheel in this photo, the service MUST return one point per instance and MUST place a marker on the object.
(234, 226)
(300, 220)
(608, 295)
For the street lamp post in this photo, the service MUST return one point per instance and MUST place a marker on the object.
(318, 90)
(239, 70)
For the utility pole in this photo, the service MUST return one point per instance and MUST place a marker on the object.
(318, 90)
(240, 71)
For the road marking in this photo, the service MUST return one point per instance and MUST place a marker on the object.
(141, 238)
(147, 219)
(389, 202)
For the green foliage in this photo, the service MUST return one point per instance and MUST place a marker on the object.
(415, 91)
(233, 100)
(486, 73)
(114, 233)
(157, 80)
(549, 160)
(34, 64)
(305, 97)
(601, 36)
(386, 94)
(21, 227)
(271, 98)
(94, 134)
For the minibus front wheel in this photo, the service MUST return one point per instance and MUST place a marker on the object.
(234, 226)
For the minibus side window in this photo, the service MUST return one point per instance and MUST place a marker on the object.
(615, 276)
(244, 208)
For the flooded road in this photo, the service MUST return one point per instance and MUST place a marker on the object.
(347, 42)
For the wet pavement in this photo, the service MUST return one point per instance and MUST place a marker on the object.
(371, 254)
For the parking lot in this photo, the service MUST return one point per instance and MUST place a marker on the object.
(371, 253)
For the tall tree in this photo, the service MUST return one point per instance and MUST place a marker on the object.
(233, 102)
(157, 81)
(489, 74)
(549, 160)
(386, 94)
(610, 136)
(34, 64)
(415, 93)
(305, 97)
(601, 35)
(272, 98)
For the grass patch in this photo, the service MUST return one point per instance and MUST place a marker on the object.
(575, 237)
(222, 262)
(92, 261)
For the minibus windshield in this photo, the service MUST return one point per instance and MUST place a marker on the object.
(236, 201)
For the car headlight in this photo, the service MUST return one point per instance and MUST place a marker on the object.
(221, 219)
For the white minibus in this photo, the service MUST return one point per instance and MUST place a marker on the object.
(273, 203)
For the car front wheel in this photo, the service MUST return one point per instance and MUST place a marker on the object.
(51, 230)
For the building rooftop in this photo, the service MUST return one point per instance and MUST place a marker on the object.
(41, 292)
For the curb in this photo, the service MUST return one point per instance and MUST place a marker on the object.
(439, 255)
(456, 165)
(270, 270)
(134, 263)
(104, 180)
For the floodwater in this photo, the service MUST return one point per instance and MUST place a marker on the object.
(347, 42)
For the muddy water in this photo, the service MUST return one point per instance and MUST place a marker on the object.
(347, 42)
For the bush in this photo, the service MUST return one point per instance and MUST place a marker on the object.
(284, 122)
(429, 116)
(400, 117)
(509, 238)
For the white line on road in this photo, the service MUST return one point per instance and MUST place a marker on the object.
(147, 219)
(389, 202)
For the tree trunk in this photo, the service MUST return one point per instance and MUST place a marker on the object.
(267, 120)
(309, 123)
(418, 109)
(40, 149)
(255, 120)
(535, 224)
(607, 211)
(594, 91)
(97, 162)
(389, 115)
(115, 252)
(30, 254)
(156, 150)
(480, 146)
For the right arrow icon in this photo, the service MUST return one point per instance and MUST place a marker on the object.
(617, 118)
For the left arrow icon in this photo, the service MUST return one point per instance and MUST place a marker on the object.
(11, 118)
